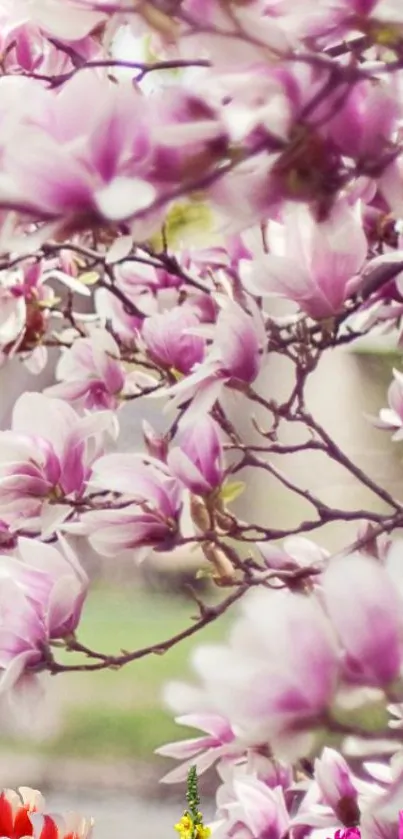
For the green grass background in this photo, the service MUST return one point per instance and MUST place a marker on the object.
(120, 713)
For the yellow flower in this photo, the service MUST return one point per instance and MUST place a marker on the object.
(185, 827)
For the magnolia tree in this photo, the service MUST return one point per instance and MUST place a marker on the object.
(180, 163)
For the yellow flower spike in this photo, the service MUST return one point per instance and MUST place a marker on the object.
(191, 826)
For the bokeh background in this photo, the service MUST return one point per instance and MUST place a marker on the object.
(89, 742)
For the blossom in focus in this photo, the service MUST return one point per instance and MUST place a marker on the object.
(202, 752)
(337, 785)
(315, 264)
(53, 581)
(46, 456)
(197, 461)
(336, 798)
(91, 374)
(248, 809)
(169, 340)
(234, 358)
(147, 515)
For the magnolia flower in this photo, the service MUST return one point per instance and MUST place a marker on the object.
(149, 515)
(362, 128)
(71, 169)
(169, 340)
(374, 806)
(315, 264)
(26, 303)
(337, 785)
(217, 742)
(366, 610)
(234, 358)
(297, 552)
(91, 373)
(46, 456)
(42, 592)
(283, 646)
(22, 814)
(248, 809)
(197, 461)
(52, 579)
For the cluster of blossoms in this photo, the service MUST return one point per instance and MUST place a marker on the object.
(191, 191)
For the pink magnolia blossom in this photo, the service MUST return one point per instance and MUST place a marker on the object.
(337, 784)
(41, 597)
(169, 340)
(145, 286)
(365, 609)
(23, 298)
(24, 42)
(376, 809)
(336, 797)
(248, 809)
(148, 291)
(218, 742)
(91, 374)
(52, 580)
(46, 456)
(26, 305)
(297, 552)
(284, 646)
(234, 358)
(314, 264)
(149, 515)
(198, 459)
(381, 815)
(81, 131)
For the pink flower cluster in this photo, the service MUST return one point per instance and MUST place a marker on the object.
(192, 193)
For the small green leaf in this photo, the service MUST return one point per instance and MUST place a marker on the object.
(89, 278)
(232, 490)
